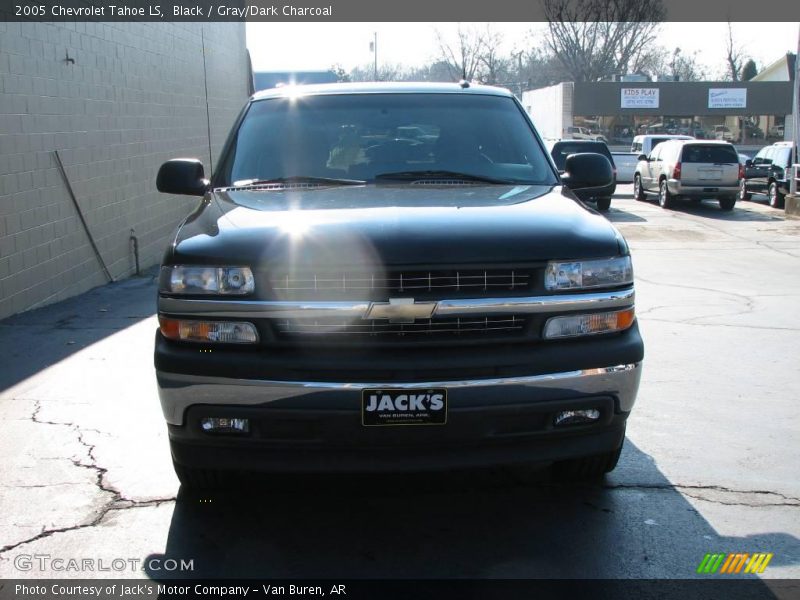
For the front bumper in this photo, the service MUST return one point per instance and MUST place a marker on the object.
(316, 427)
(304, 405)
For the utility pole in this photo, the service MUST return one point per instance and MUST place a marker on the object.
(796, 106)
(375, 50)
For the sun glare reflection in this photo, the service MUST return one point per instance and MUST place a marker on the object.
(294, 223)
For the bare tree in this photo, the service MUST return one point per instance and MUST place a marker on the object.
(386, 72)
(435, 71)
(496, 65)
(676, 65)
(595, 39)
(462, 55)
(342, 76)
(734, 57)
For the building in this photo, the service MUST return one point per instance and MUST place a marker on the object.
(114, 100)
(780, 70)
(750, 113)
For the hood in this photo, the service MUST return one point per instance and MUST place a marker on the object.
(393, 225)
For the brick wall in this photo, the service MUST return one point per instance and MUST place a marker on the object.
(134, 97)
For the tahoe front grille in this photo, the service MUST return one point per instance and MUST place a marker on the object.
(423, 328)
(441, 283)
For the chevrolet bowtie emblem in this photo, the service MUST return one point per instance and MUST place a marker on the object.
(401, 310)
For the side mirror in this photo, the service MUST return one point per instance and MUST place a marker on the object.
(748, 163)
(587, 170)
(642, 157)
(182, 176)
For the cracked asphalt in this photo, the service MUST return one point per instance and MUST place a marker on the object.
(711, 462)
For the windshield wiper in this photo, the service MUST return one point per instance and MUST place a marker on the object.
(422, 175)
(297, 179)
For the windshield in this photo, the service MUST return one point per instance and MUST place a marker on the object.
(362, 136)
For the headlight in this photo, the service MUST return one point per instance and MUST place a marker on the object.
(585, 274)
(579, 325)
(235, 281)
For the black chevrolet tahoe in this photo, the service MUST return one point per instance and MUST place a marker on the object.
(385, 277)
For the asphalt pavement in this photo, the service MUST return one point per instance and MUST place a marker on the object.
(711, 462)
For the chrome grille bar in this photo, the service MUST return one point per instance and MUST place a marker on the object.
(374, 328)
(299, 309)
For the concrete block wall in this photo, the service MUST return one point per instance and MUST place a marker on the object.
(134, 97)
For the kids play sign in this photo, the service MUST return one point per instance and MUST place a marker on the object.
(639, 98)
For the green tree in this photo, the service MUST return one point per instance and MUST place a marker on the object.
(749, 70)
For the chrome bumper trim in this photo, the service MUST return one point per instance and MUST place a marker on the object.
(178, 392)
(286, 309)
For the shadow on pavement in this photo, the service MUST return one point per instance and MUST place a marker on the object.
(618, 215)
(483, 524)
(37, 339)
(710, 209)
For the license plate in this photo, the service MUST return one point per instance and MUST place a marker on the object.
(710, 174)
(386, 406)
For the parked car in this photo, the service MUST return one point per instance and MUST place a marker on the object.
(768, 173)
(581, 133)
(778, 131)
(723, 132)
(562, 149)
(644, 144)
(691, 169)
(399, 311)
(625, 165)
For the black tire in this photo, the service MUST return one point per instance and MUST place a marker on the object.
(743, 195)
(201, 479)
(603, 204)
(775, 197)
(665, 199)
(727, 204)
(586, 468)
(638, 190)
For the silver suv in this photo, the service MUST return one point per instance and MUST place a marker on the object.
(694, 169)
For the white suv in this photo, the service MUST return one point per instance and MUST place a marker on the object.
(693, 169)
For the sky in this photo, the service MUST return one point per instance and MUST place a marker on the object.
(314, 46)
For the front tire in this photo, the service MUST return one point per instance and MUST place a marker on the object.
(638, 191)
(587, 468)
(775, 196)
(727, 204)
(665, 198)
(743, 195)
(603, 204)
(200, 479)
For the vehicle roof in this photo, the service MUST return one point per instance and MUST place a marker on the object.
(692, 141)
(671, 136)
(552, 145)
(786, 143)
(580, 142)
(380, 88)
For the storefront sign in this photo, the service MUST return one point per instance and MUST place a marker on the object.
(727, 98)
(639, 98)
